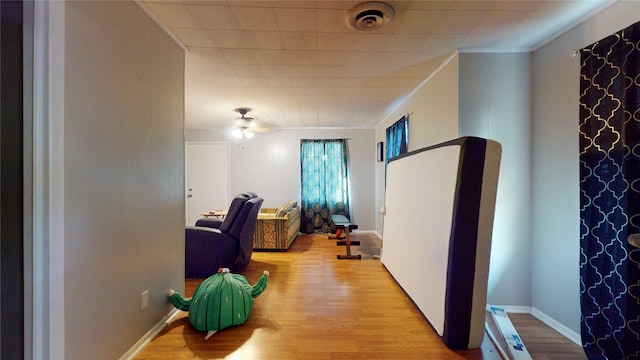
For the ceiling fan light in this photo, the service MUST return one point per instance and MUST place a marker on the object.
(243, 125)
(237, 133)
(243, 122)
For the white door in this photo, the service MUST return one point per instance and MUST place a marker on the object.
(207, 179)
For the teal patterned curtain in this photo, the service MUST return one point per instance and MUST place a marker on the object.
(325, 183)
(610, 196)
(397, 138)
(397, 141)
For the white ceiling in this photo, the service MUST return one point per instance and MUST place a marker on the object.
(298, 63)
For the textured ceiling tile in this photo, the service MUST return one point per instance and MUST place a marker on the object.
(367, 91)
(329, 101)
(332, 21)
(270, 57)
(212, 17)
(499, 22)
(172, 15)
(300, 57)
(250, 70)
(348, 83)
(283, 91)
(289, 71)
(231, 39)
(331, 71)
(307, 91)
(438, 44)
(205, 55)
(335, 42)
(310, 117)
(406, 42)
(259, 91)
(380, 58)
(299, 40)
(527, 5)
(333, 58)
(289, 100)
(292, 113)
(213, 70)
(303, 71)
(430, 5)
(459, 22)
(402, 82)
(472, 42)
(337, 5)
(254, 82)
(240, 56)
(222, 81)
(299, 20)
(255, 18)
(326, 112)
(295, 4)
(475, 5)
(293, 57)
(278, 82)
(248, 3)
(275, 116)
(330, 83)
(217, 91)
(419, 21)
(267, 40)
(369, 42)
(194, 37)
(300, 82)
(418, 71)
(365, 71)
(528, 27)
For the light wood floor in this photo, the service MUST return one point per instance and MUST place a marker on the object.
(318, 307)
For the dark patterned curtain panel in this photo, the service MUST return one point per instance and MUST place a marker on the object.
(325, 183)
(610, 196)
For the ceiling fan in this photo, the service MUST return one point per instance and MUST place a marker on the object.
(243, 124)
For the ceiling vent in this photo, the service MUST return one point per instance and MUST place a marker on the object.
(370, 16)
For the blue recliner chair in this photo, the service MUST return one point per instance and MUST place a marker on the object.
(208, 249)
(234, 208)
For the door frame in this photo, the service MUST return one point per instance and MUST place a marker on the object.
(186, 172)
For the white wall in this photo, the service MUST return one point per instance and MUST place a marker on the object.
(123, 175)
(535, 116)
(433, 109)
(495, 103)
(484, 95)
(555, 235)
(269, 164)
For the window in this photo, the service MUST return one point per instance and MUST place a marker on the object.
(325, 183)
(398, 138)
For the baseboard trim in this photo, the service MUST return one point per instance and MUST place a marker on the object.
(365, 232)
(549, 321)
(146, 339)
(512, 309)
(555, 325)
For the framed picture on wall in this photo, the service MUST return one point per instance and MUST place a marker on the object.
(380, 151)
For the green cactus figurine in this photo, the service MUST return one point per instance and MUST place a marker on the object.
(222, 300)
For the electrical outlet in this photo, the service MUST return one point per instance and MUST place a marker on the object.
(144, 301)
